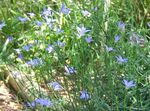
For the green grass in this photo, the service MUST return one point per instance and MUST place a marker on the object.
(97, 70)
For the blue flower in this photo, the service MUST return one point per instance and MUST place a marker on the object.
(2, 25)
(20, 56)
(10, 38)
(50, 48)
(35, 62)
(22, 20)
(56, 86)
(64, 9)
(128, 84)
(27, 47)
(86, 13)
(81, 31)
(109, 49)
(84, 95)
(60, 44)
(121, 60)
(117, 38)
(58, 31)
(50, 22)
(70, 70)
(39, 24)
(88, 39)
(121, 25)
(47, 12)
(43, 102)
(40, 101)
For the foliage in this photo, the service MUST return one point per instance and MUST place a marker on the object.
(85, 57)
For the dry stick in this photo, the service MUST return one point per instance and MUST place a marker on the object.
(23, 86)
(106, 8)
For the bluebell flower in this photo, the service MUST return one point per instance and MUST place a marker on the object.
(70, 70)
(27, 47)
(109, 49)
(60, 44)
(47, 12)
(50, 22)
(40, 101)
(84, 95)
(50, 48)
(44, 102)
(86, 13)
(117, 38)
(64, 9)
(81, 31)
(38, 23)
(128, 84)
(35, 62)
(33, 104)
(22, 20)
(88, 39)
(10, 38)
(56, 86)
(2, 25)
(121, 60)
(121, 25)
(58, 31)
(20, 56)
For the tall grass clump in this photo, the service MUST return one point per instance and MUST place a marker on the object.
(90, 55)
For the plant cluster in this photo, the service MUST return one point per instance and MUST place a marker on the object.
(86, 57)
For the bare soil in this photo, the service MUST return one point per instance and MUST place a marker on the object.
(8, 100)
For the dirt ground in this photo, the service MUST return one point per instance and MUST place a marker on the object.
(8, 101)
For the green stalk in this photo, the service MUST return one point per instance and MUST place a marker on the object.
(125, 100)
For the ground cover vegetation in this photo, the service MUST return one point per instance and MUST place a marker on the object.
(83, 55)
